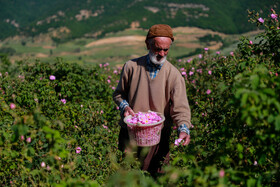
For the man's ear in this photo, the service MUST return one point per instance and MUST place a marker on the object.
(147, 45)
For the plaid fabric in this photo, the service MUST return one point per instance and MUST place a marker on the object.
(153, 68)
(183, 128)
(122, 106)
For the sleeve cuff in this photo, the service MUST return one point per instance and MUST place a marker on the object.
(122, 106)
(183, 128)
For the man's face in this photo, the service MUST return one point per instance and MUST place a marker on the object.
(159, 49)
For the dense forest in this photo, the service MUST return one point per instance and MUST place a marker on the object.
(96, 18)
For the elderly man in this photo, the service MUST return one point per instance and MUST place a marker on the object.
(152, 83)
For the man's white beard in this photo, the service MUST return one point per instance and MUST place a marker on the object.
(153, 58)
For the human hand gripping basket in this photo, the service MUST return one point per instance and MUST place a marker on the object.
(145, 128)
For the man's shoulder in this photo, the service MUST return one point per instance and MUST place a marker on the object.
(172, 68)
(136, 61)
(139, 59)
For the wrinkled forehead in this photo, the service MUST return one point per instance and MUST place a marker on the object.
(162, 41)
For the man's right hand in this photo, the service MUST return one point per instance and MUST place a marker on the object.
(128, 111)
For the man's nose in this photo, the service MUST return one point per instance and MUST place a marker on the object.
(161, 53)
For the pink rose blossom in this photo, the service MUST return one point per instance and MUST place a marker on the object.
(78, 150)
(144, 118)
(251, 42)
(261, 20)
(208, 91)
(231, 53)
(12, 106)
(28, 140)
(184, 73)
(205, 49)
(43, 164)
(105, 127)
(222, 173)
(210, 72)
(113, 88)
(100, 65)
(63, 101)
(189, 60)
(190, 73)
(52, 77)
(177, 142)
(22, 137)
(199, 71)
(273, 16)
(218, 52)
(109, 81)
(200, 56)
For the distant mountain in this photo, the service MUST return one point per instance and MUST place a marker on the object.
(69, 19)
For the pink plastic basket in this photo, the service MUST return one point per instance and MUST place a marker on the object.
(145, 134)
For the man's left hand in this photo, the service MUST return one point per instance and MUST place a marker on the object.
(184, 136)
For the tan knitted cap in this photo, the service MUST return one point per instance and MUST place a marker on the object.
(160, 30)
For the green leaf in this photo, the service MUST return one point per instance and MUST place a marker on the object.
(270, 118)
(239, 147)
(244, 99)
(277, 123)
(269, 91)
(251, 182)
(31, 151)
(255, 80)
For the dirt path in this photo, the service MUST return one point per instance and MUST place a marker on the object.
(127, 39)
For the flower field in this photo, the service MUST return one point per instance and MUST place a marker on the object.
(59, 124)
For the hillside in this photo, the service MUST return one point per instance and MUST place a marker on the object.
(118, 47)
(94, 19)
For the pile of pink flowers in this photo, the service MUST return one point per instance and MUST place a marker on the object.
(145, 118)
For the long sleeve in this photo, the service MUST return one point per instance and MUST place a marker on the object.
(121, 92)
(180, 109)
